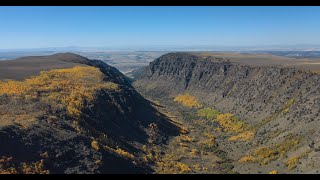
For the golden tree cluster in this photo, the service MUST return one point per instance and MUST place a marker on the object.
(187, 100)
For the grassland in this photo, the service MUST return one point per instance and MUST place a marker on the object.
(69, 90)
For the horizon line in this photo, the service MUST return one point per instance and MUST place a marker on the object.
(161, 47)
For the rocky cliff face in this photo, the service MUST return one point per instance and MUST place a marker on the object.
(107, 136)
(271, 98)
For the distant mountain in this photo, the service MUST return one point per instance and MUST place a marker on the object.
(298, 47)
(308, 53)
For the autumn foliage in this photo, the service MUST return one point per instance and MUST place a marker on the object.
(71, 89)
(293, 162)
(274, 172)
(230, 123)
(234, 125)
(265, 155)
(244, 136)
(95, 145)
(247, 159)
(124, 153)
(7, 166)
(187, 100)
(208, 113)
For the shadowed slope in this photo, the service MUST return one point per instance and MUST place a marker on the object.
(85, 118)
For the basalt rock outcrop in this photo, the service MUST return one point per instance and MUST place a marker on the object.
(269, 97)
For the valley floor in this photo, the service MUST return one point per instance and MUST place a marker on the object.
(195, 150)
(204, 146)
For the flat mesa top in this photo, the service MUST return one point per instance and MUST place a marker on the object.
(266, 60)
(25, 67)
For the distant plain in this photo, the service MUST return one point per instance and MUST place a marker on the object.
(127, 61)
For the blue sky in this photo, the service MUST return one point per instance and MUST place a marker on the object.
(36, 27)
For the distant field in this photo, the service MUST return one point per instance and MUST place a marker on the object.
(127, 61)
(312, 64)
(124, 61)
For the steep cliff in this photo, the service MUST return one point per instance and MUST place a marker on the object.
(277, 100)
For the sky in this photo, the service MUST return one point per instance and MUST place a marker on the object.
(44, 26)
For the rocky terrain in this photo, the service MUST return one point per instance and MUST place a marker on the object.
(68, 114)
(184, 113)
(274, 100)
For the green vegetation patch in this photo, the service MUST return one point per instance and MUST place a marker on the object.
(208, 113)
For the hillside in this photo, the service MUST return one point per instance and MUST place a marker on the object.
(261, 110)
(67, 114)
(204, 113)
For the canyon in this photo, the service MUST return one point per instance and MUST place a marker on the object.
(187, 112)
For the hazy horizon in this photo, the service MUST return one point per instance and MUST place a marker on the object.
(159, 27)
(303, 47)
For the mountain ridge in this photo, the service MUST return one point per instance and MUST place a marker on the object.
(272, 99)
(81, 118)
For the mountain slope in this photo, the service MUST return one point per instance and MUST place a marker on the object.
(279, 101)
(77, 116)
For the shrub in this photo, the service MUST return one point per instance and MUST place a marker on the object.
(8, 167)
(14, 87)
(123, 153)
(208, 113)
(187, 100)
(34, 168)
(72, 88)
(153, 133)
(184, 130)
(273, 172)
(185, 138)
(230, 123)
(98, 162)
(265, 155)
(95, 145)
(287, 106)
(226, 167)
(247, 159)
(233, 125)
(183, 167)
(193, 152)
(245, 136)
(292, 162)
(208, 145)
(197, 167)
(44, 155)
